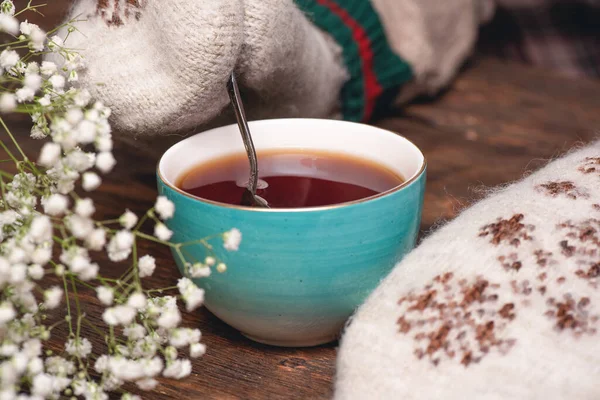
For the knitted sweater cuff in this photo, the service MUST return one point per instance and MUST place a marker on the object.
(376, 72)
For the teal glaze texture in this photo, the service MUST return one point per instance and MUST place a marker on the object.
(299, 274)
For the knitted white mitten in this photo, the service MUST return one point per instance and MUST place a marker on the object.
(434, 37)
(502, 303)
(162, 66)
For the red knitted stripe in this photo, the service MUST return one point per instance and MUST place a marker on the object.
(372, 88)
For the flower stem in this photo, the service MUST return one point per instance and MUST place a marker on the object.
(13, 140)
(76, 305)
(68, 304)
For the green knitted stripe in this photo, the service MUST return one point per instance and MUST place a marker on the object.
(376, 72)
(352, 95)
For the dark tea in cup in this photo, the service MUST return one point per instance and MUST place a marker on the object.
(291, 178)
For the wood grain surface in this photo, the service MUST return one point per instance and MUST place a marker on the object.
(497, 122)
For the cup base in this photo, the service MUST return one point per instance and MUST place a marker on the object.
(293, 343)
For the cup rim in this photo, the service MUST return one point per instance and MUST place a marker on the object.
(386, 193)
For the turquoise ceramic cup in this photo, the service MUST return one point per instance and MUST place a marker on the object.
(299, 273)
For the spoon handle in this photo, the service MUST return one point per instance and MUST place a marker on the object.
(240, 115)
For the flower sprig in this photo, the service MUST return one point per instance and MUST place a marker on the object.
(49, 239)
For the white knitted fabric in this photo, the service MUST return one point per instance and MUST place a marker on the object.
(501, 303)
(434, 37)
(162, 66)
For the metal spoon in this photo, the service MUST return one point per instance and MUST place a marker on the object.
(249, 198)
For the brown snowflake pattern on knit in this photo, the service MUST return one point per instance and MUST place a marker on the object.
(581, 239)
(453, 319)
(581, 242)
(510, 262)
(462, 321)
(590, 165)
(564, 188)
(511, 231)
(572, 314)
(116, 12)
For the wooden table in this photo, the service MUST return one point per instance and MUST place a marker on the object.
(497, 122)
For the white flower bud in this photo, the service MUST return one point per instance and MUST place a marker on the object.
(8, 102)
(55, 205)
(49, 154)
(91, 181)
(105, 162)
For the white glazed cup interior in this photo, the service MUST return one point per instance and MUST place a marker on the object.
(378, 145)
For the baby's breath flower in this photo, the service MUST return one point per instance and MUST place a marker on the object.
(137, 301)
(55, 205)
(55, 43)
(84, 207)
(184, 337)
(170, 353)
(9, 24)
(210, 261)
(162, 232)
(169, 318)
(221, 267)
(36, 35)
(105, 295)
(53, 297)
(197, 350)
(7, 7)
(40, 230)
(8, 58)
(146, 265)
(33, 81)
(128, 220)
(119, 246)
(45, 101)
(42, 255)
(36, 220)
(18, 273)
(191, 294)
(7, 312)
(164, 207)
(91, 181)
(73, 76)
(129, 396)
(57, 81)
(232, 240)
(147, 384)
(199, 270)
(126, 314)
(96, 240)
(105, 162)
(79, 161)
(25, 94)
(178, 369)
(79, 226)
(8, 102)
(26, 28)
(111, 317)
(42, 385)
(86, 130)
(135, 331)
(48, 68)
(104, 143)
(79, 347)
(32, 68)
(49, 155)
(59, 270)
(35, 272)
(91, 272)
